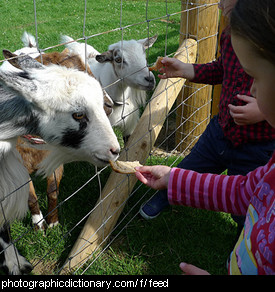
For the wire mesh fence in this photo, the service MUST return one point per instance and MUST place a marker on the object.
(96, 206)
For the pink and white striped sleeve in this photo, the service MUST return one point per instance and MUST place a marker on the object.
(230, 194)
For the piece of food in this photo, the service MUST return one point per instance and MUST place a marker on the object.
(157, 65)
(126, 167)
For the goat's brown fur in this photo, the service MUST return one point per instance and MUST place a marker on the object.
(31, 159)
(69, 60)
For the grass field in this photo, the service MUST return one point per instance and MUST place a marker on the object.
(200, 237)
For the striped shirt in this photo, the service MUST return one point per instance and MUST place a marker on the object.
(251, 195)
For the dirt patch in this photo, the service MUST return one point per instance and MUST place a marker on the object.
(43, 267)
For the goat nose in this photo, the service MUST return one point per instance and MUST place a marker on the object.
(149, 79)
(115, 151)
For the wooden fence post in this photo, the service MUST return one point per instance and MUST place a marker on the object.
(194, 113)
(217, 88)
(102, 220)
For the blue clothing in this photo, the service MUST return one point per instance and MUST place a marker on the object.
(214, 153)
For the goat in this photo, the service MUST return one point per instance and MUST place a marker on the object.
(32, 157)
(123, 72)
(63, 106)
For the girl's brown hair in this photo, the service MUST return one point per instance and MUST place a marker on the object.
(254, 20)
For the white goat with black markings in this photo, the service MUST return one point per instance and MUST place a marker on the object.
(124, 74)
(64, 107)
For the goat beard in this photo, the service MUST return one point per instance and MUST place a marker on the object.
(56, 157)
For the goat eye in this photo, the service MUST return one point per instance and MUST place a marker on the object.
(79, 116)
(118, 60)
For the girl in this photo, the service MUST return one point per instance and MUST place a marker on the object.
(253, 195)
(238, 138)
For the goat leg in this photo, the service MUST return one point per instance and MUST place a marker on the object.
(53, 183)
(37, 217)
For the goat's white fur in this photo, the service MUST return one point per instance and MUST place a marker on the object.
(14, 187)
(42, 101)
(30, 48)
(38, 220)
(59, 92)
(14, 193)
(125, 82)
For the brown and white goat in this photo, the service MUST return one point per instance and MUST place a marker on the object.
(35, 101)
(32, 156)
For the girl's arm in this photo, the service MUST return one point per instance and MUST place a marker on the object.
(224, 193)
(210, 73)
(230, 194)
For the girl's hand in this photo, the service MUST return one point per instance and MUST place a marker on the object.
(192, 270)
(246, 114)
(175, 68)
(155, 177)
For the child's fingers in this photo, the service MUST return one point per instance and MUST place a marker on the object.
(237, 113)
(161, 70)
(246, 98)
(163, 76)
(144, 174)
(163, 73)
(235, 109)
(166, 60)
(192, 270)
(141, 178)
(144, 168)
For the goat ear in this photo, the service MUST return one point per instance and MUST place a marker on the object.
(105, 57)
(21, 82)
(148, 42)
(22, 61)
(11, 58)
(66, 52)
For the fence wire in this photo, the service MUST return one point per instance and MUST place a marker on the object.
(166, 150)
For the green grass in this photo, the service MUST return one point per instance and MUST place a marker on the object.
(199, 237)
(67, 17)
